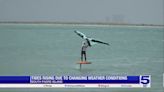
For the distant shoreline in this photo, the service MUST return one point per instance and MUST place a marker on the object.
(78, 23)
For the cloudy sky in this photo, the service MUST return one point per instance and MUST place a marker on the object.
(129, 11)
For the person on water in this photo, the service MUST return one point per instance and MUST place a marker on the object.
(83, 51)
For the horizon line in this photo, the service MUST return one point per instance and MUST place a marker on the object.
(76, 22)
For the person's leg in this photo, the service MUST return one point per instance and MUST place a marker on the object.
(85, 56)
(81, 55)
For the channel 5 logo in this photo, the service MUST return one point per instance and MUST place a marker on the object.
(145, 80)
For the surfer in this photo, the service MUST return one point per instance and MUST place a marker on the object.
(88, 42)
(83, 51)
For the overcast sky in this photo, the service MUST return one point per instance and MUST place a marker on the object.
(131, 11)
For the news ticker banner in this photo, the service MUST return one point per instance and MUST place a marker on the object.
(141, 81)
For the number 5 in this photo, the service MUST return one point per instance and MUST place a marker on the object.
(145, 79)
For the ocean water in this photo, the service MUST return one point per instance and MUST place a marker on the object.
(51, 49)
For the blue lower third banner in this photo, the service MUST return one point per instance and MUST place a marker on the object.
(75, 81)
